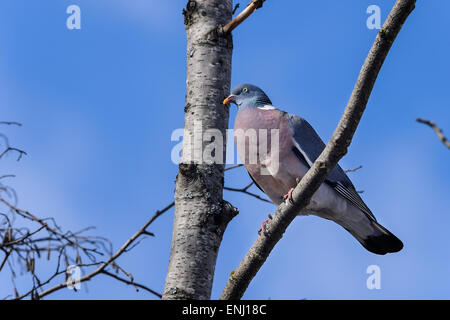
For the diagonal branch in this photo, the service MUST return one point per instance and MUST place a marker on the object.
(354, 169)
(101, 266)
(436, 129)
(234, 167)
(28, 235)
(132, 283)
(334, 151)
(245, 191)
(7, 253)
(241, 17)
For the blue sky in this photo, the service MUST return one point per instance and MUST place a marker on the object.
(98, 106)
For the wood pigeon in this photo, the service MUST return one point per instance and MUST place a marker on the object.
(287, 159)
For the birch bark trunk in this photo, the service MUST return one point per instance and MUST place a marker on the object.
(201, 215)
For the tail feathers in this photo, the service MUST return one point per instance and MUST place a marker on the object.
(380, 240)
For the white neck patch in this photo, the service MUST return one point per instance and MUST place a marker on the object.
(267, 107)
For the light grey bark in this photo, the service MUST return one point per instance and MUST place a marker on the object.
(334, 151)
(201, 215)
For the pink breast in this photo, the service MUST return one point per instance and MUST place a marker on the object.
(261, 122)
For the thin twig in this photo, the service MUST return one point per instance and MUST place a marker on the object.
(353, 170)
(11, 243)
(7, 176)
(9, 149)
(7, 253)
(333, 152)
(436, 129)
(10, 123)
(134, 284)
(244, 190)
(236, 7)
(241, 17)
(57, 273)
(234, 167)
(30, 216)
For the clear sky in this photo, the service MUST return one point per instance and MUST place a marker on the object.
(98, 106)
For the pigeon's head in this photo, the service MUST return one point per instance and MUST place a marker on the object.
(247, 96)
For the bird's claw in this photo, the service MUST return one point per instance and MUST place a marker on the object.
(263, 227)
(288, 196)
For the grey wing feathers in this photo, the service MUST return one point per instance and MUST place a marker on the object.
(308, 147)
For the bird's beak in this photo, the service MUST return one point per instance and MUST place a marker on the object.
(229, 99)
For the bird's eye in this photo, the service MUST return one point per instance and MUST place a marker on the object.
(245, 90)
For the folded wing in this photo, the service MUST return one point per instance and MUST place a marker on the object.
(308, 146)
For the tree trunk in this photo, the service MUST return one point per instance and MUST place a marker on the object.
(201, 215)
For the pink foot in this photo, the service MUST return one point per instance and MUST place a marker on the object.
(288, 196)
(263, 227)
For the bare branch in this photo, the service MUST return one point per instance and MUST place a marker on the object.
(244, 190)
(11, 123)
(134, 284)
(118, 253)
(353, 170)
(436, 129)
(7, 254)
(28, 235)
(27, 215)
(7, 176)
(333, 152)
(22, 246)
(9, 149)
(241, 17)
(236, 7)
(234, 167)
